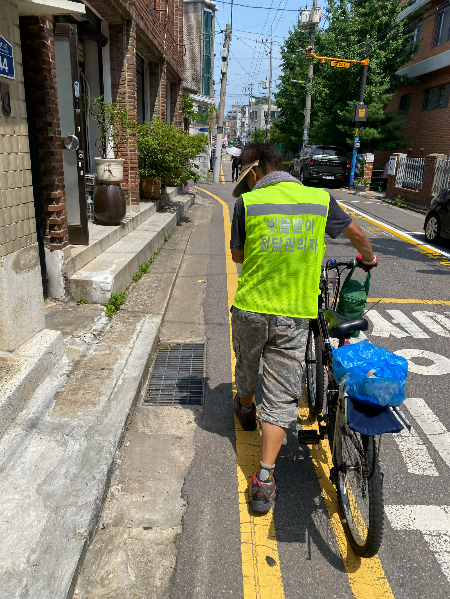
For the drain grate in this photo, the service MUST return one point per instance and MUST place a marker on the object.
(177, 376)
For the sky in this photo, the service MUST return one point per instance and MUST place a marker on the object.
(249, 61)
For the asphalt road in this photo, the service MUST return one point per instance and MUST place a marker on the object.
(296, 553)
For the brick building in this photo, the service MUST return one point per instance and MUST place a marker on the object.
(424, 102)
(199, 33)
(53, 55)
(128, 51)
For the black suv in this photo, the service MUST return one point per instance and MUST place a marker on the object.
(327, 164)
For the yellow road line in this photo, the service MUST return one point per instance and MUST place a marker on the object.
(222, 176)
(258, 537)
(426, 250)
(393, 300)
(366, 576)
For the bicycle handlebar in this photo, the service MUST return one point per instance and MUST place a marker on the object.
(331, 264)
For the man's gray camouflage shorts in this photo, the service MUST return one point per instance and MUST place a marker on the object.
(281, 342)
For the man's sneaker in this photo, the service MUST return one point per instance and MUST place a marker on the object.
(248, 421)
(263, 495)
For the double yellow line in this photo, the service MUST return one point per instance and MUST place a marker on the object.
(261, 570)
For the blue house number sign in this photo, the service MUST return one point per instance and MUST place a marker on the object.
(6, 59)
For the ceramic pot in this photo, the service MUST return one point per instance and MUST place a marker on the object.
(150, 188)
(109, 170)
(110, 205)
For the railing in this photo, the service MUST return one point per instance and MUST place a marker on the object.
(410, 173)
(441, 177)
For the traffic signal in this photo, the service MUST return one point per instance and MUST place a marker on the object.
(359, 113)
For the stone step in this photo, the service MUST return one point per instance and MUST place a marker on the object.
(113, 269)
(102, 237)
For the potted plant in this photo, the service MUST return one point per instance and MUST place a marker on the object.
(113, 131)
(166, 153)
(361, 184)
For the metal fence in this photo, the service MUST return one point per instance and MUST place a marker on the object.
(442, 177)
(410, 173)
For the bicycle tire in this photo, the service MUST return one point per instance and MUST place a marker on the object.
(362, 518)
(316, 374)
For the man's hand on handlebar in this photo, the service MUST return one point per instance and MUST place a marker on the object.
(366, 265)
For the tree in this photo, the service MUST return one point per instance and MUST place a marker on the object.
(258, 135)
(349, 23)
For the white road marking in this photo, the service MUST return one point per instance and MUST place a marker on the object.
(440, 364)
(383, 328)
(431, 426)
(355, 201)
(430, 320)
(407, 324)
(415, 453)
(407, 235)
(431, 520)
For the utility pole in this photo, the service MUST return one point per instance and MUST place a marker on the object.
(270, 87)
(267, 116)
(312, 34)
(250, 111)
(361, 103)
(223, 89)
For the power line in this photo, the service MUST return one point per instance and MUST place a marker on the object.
(259, 7)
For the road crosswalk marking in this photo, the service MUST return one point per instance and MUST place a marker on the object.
(415, 453)
(400, 318)
(433, 322)
(432, 521)
(431, 426)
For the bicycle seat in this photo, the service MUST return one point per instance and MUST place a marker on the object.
(341, 326)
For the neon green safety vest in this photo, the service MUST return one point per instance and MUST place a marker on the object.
(283, 251)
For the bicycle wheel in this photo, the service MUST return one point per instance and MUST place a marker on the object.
(359, 486)
(316, 373)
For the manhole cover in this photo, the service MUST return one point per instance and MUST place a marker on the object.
(177, 376)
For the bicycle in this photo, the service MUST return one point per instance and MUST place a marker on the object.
(356, 471)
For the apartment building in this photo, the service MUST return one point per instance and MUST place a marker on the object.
(424, 102)
(258, 112)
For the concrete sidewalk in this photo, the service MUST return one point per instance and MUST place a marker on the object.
(57, 458)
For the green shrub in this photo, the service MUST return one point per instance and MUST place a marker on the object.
(167, 153)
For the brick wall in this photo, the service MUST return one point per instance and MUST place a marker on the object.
(193, 40)
(421, 197)
(17, 221)
(124, 88)
(43, 117)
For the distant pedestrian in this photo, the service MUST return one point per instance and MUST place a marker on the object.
(234, 168)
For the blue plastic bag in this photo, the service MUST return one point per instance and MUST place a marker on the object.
(374, 375)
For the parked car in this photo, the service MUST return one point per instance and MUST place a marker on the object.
(326, 164)
(437, 220)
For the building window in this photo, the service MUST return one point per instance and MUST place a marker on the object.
(140, 88)
(436, 97)
(415, 39)
(404, 103)
(442, 32)
(207, 51)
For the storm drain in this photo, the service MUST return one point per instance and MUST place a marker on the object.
(177, 376)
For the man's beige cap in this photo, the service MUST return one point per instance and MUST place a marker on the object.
(242, 185)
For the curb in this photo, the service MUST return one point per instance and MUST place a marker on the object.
(58, 466)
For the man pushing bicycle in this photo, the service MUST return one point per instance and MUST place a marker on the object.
(278, 235)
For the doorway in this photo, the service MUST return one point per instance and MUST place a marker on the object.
(70, 116)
